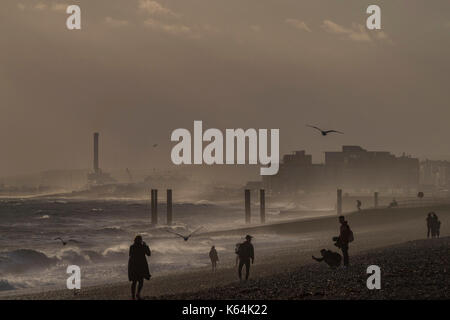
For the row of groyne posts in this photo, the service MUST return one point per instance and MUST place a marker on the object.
(247, 196)
(154, 206)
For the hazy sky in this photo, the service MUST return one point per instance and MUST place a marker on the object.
(140, 69)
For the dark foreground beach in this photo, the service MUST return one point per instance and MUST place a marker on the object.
(412, 270)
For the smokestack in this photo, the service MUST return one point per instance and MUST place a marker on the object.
(96, 152)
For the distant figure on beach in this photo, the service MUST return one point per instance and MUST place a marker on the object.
(214, 258)
(358, 204)
(393, 204)
(333, 259)
(245, 253)
(438, 228)
(138, 266)
(345, 237)
(435, 225)
(429, 224)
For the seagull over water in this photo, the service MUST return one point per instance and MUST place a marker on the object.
(325, 132)
(186, 238)
(62, 241)
(65, 242)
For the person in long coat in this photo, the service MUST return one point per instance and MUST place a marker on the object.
(138, 266)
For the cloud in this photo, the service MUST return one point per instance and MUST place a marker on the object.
(356, 33)
(116, 22)
(174, 29)
(40, 6)
(43, 6)
(155, 8)
(59, 7)
(297, 24)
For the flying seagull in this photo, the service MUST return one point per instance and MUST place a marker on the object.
(155, 145)
(325, 132)
(65, 242)
(186, 238)
(62, 241)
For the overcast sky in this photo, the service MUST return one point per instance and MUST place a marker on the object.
(139, 69)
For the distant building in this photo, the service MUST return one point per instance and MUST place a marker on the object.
(352, 169)
(296, 172)
(435, 175)
(358, 169)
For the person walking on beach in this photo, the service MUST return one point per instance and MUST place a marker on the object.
(358, 205)
(214, 258)
(345, 237)
(138, 266)
(245, 253)
(429, 224)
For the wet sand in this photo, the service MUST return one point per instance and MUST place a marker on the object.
(416, 270)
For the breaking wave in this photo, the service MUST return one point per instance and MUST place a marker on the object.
(22, 260)
(5, 285)
(25, 260)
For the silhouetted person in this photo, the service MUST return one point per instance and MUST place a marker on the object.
(435, 225)
(429, 224)
(333, 259)
(245, 253)
(138, 266)
(214, 258)
(345, 237)
(358, 204)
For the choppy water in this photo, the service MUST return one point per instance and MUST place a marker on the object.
(98, 235)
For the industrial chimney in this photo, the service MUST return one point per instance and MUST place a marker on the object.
(96, 169)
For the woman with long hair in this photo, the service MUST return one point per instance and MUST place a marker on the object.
(138, 266)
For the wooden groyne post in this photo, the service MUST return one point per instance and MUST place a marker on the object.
(375, 199)
(262, 205)
(169, 207)
(247, 206)
(154, 206)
